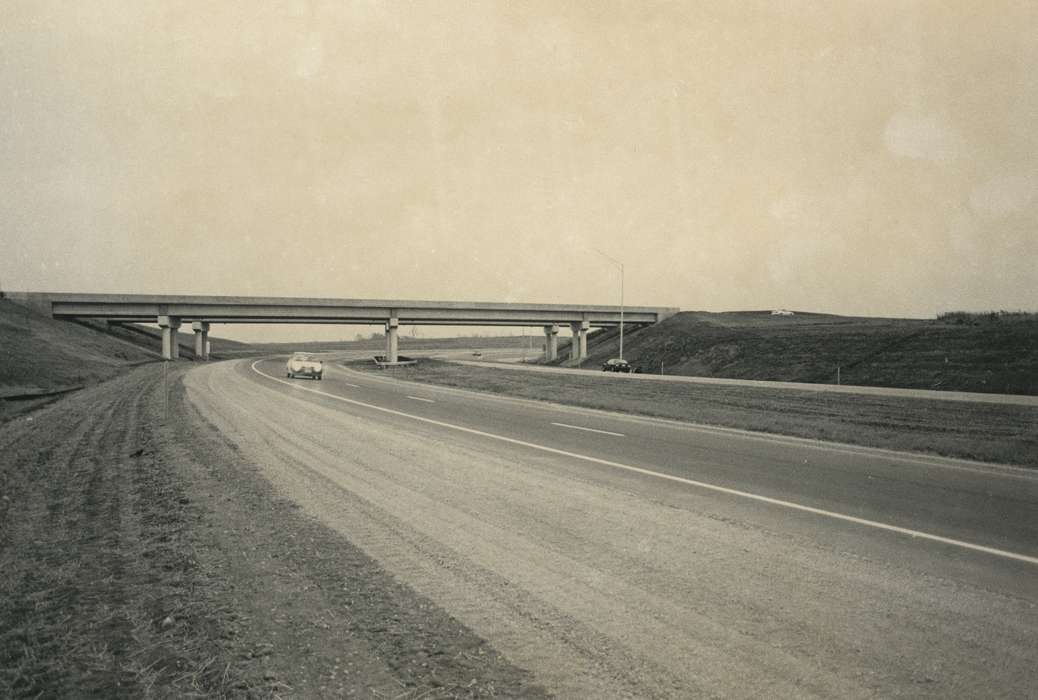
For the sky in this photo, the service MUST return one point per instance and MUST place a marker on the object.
(873, 158)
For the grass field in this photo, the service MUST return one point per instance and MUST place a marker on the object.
(986, 432)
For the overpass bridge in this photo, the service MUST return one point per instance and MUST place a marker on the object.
(170, 311)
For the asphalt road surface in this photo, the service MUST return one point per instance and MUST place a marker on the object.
(615, 556)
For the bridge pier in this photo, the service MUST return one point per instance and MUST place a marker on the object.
(170, 347)
(392, 326)
(551, 345)
(201, 329)
(578, 348)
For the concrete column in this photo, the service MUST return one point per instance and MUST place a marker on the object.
(574, 345)
(578, 350)
(551, 346)
(169, 326)
(392, 326)
(201, 329)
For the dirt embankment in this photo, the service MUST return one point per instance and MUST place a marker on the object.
(142, 556)
(40, 354)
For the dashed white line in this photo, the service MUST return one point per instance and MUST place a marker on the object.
(355, 386)
(590, 430)
(419, 398)
(670, 477)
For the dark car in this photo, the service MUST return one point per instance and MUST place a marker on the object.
(616, 365)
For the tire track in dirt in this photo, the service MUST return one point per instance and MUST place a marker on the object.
(81, 606)
(72, 499)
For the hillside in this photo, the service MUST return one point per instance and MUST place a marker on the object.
(41, 354)
(991, 353)
(151, 338)
(41, 357)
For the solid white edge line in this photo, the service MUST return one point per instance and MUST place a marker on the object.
(678, 479)
(590, 430)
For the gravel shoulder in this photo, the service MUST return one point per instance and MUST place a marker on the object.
(145, 556)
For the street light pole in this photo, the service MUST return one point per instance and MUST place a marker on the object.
(621, 266)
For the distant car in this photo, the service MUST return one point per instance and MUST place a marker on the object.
(617, 365)
(477, 353)
(303, 365)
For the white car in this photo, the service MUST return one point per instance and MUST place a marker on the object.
(303, 365)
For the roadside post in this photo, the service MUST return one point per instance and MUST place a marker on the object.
(165, 393)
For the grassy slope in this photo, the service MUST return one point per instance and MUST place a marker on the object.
(151, 339)
(994, 356)
(41, 354)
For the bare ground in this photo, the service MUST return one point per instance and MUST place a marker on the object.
(143, 556)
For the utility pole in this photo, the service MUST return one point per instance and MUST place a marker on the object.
(621, 266)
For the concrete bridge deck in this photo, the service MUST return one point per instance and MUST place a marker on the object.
(170, 310)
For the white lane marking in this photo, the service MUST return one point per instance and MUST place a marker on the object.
(355, 386)
(590, 430)
(678, 479)
(419, 398)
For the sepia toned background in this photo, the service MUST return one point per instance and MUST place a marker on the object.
(860, 158)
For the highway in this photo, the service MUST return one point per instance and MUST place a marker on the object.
(615, 556)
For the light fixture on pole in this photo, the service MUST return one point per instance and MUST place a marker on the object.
(621, 266)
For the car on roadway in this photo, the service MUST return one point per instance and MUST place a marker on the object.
(617, 365)
(302, 364)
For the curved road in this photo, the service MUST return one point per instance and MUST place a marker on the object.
(615, 556)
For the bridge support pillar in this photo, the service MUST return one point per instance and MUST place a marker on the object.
(578, 350)
(551, 345)
(392, 326)
(201, 329)
(170, 347)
